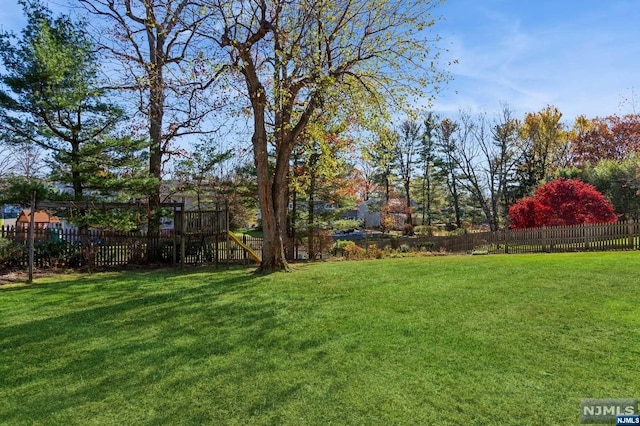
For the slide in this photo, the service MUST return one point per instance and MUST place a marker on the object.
(252, 254)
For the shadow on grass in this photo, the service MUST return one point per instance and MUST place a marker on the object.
(147, 346)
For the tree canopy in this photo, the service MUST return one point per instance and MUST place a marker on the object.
(562, 202)
(295, 56)
(50, 96)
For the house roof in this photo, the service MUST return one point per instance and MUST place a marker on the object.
(40, 217)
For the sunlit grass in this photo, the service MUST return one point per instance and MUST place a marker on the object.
(487, 340)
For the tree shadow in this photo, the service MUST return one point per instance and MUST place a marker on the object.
(120, 343)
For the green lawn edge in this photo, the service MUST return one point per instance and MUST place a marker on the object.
(489, 340)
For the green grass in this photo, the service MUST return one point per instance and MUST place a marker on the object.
(483, 340)
(249, 232)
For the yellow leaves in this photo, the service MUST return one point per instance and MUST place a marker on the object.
(545, 126)
(546, 140)
(582, 125)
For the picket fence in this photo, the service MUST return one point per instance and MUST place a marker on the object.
(58, 248)
(576, 238)
(68, 248)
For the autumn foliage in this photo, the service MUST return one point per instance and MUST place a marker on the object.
(612, 138)
(562, 202)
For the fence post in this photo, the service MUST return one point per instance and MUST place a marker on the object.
(229, 252)
(31, 235)
(585, 237)
(631, 225)
(183, 240)
(244, 252)
(174, 252)
(506, 241)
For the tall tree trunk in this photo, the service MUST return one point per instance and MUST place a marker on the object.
(386, 188)
(75, 161)
(294, 218)
(409, 219)
(424, 201)
(272, 251)
(273, 257)
(456, 202)
(429, 200)
(156, 113)
(280, 190)
(272, 194)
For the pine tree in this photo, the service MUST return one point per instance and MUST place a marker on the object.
(50, 97)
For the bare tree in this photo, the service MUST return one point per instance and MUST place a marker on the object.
(7, 164)
(365, 175)
(487, 156)
(28, 160)
(405, 152)
(503, 156)
(154, 50)
(477, 163)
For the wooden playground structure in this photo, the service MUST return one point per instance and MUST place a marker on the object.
(192, 237)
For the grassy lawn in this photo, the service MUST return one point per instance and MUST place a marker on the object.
(483, 340)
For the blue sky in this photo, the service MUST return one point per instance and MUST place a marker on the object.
(582, 56)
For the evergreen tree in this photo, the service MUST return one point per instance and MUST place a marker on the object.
(428, 158)
(50, 97)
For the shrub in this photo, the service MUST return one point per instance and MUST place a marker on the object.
(346, 224)
(404, 248)
(460, 231)
(354, 252)
(57, 253)
(387, 223)
(425, 245)
(425, 230)
(322, 242)
(11, 254)
(374, 252)
(450, 227)
(340, 246)
(407, 229)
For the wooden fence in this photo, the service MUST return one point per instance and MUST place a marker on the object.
(58, 248)
(589, 237)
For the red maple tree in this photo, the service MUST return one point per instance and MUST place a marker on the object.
(562, 202)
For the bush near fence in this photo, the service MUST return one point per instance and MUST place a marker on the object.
(588, 237)
(71, 248)
(58, 248)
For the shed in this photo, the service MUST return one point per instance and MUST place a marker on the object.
(42, 220)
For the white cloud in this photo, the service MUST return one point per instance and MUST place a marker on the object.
(577, 61)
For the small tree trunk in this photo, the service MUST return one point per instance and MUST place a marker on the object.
(311, 217)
